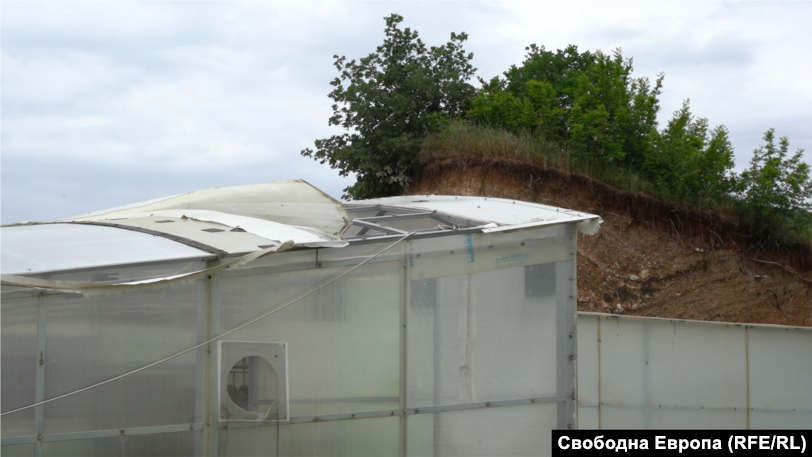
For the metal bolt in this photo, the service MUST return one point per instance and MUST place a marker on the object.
(39, 437)
(121, 431)
(404, 325)
(191, 426)
(490, 246)
(452, 252)
(419, 255)
(522, 243)
(404, 265)
(417, 411)
(532, 400)
(487, 405)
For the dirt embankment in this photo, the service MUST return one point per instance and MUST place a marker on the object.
(649, 258)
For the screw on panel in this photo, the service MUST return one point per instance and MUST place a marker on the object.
(452, 252)
(39, 437)
(522, 243)
(121, 431)
(191, 426)
(419, 255)
(487, 405)
(41, 359)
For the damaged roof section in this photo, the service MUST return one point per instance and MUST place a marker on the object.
(245, 219)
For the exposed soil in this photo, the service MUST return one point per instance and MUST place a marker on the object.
(650, 258)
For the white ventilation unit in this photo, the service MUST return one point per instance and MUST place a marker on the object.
(253, 381)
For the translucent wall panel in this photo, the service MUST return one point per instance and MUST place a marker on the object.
(375, 437)
(506, 431)
(17, 450)
(495, 323)
(95, 337)
(343, 342)
(588, 375)
(491, 340)
(780, 378)
(107, 447)
(161, 444)
(664, 374)
(18, 343)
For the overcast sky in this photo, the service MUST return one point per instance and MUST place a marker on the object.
(105, 104)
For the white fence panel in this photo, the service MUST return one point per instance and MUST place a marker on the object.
(647, 373)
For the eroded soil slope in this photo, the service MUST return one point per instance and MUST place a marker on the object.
(649, 258)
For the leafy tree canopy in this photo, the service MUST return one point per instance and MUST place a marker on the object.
(778, 187)
(387, 102)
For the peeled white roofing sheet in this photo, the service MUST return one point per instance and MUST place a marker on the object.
(498, 210)
(55, 247)
(285, 202)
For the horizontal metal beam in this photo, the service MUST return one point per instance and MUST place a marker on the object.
(370, 225)
(486, 404)
(397, 217)
(123, 432)
(293, 421)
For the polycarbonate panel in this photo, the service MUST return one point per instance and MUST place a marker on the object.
(98, 447)
(17, 450)
(374, 437)
(504, 431)
(780, 378)
(161, 444)
(95, 337)
(480, 337)
(671, 374)
(588, 374)
(53, 247)
(18, 343)
(479, 252)
(343, 342)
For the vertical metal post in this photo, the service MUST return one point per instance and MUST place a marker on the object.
(404, 313)
(435, 347)
(600, 405)
(202, 367)
(566, 308)
(211, 425)
(39, 393)
(747, 370)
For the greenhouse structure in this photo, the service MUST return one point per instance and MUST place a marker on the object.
(273, 320)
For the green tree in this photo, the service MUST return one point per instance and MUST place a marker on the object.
(503, 109)
(777, 187)
(588, 102)
(690, 162)
(388, 102)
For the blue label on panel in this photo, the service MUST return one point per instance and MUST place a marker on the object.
(469, 248)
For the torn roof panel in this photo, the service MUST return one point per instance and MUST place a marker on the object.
(514, 213)
(285, 202)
